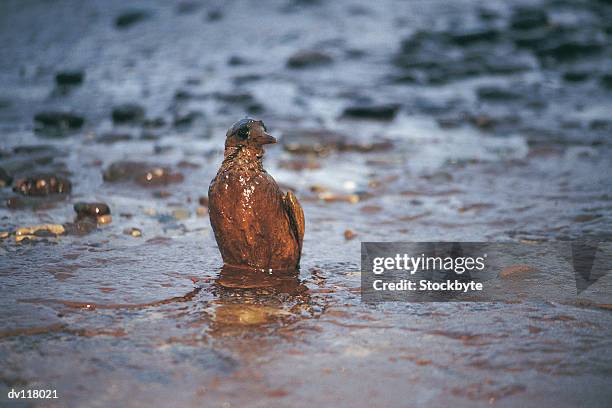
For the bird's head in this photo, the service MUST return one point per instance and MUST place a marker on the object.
(248, 132)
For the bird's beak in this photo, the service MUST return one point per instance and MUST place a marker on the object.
(267, 139)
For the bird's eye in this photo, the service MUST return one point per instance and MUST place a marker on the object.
(243, 133)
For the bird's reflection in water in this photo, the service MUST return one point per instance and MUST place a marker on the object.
(248, 300)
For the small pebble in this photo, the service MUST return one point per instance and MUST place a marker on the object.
(69, 78)
(135, 232)
(214, 15)
(305, 59)
(348, 235)
(38, 231)
(131, 17)
(150, 211)
(332, 198)
(91, 209)
(104, 219)
(181, 214)
(201, 211)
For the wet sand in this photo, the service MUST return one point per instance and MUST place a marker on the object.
(402, 121)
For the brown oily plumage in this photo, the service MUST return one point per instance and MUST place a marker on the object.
(255, 224)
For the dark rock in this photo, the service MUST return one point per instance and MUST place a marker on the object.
(36, 149)
(243, 79)
(186, 95)
(525, 18)
(606, 80)
(34, 203)
(355, 53)
(54, 123)
(600, 124)
(214, 15)
(81, 226)
(159, 176)
(128, 113)
(569, 49)
(188, 7)
(187, 120)
(42, 185)
(465, 38)
(494, 93)
(109, 138)
(5, 103)
(576, 76)
(5, 179)
(236, 60)
(255, 108)
(183, 95)
(129, 18)
(374, 112)
(306, 59)
(203, 200)
(91, 209)
(486, 14)
(67, 78)
(161, 149)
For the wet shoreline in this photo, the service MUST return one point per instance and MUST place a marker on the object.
(401, 121)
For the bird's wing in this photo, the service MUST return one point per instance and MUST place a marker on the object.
(296, 217)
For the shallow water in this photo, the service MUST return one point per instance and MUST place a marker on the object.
(107, 318)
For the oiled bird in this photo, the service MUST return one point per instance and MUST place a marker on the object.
(256, 225)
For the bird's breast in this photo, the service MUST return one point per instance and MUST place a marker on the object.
(241, 191)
